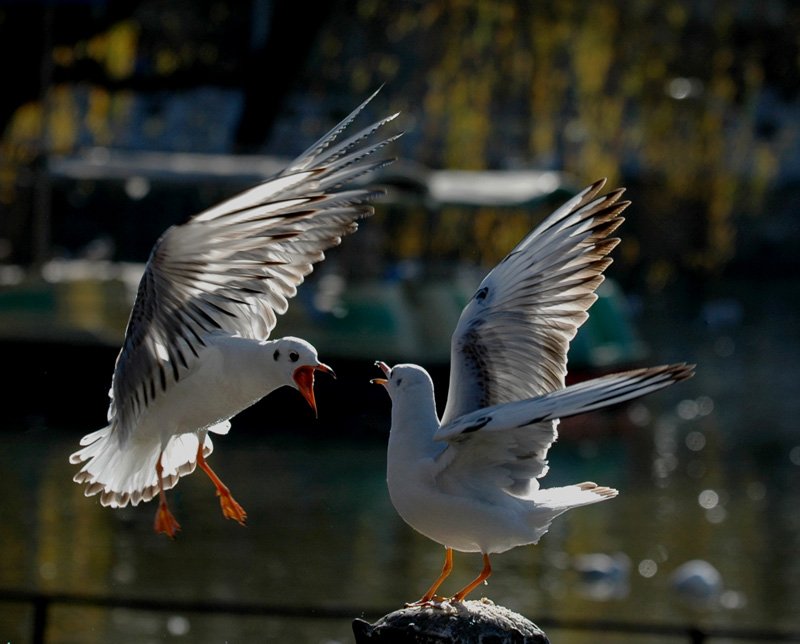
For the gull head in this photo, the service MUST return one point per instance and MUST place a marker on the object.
(403, 378)
(296, 360)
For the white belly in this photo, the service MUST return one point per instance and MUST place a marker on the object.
(217, 389)
(461, 522)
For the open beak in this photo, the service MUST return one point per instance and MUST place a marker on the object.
(386, 371)
(304, 379)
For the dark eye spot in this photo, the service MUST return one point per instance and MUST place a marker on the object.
(276, 355)
(481, 295)
(399, 381)
(294, 356)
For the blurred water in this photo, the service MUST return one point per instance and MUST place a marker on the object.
(707, 470)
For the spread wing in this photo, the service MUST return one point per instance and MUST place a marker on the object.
(579, 398)
(233, 267)
(512, 338)
(506, 445)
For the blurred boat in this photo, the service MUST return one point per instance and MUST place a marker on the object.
(394, 291)
(88, 302)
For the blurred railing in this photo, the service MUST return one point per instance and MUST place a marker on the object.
(42, 602)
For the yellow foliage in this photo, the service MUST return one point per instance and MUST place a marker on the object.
(167, 62)
(26, 124)
(591, 85)
(97, 118)
(582, 87)
(62, 120)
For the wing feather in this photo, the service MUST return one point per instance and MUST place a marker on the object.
(562, 403)
(512, 338)
(505, 446)
(233, 267)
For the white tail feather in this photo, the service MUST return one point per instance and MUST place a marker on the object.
(128, 475)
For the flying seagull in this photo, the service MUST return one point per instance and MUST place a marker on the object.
(471, 481)
(196, 349)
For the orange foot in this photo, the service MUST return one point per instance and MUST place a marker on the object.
(165, 523)
(230, 508)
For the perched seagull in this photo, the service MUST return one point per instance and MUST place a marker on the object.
(470, 481)
(196, 351)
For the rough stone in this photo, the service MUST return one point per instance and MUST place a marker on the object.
(472, 622)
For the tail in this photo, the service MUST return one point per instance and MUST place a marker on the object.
(552, 502)
(127, 474)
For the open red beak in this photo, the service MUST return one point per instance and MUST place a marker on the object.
(386, 371)
(304, 379)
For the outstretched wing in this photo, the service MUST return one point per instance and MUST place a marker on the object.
(576, 399)
(233, 267)
(512, 338)
(506, 445)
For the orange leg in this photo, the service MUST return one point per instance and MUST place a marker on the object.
(165, 523)
(446, 569)
(487, 570)
(230, 508)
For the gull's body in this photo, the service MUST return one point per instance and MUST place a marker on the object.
(470, 481)
(438, 494)
(197, 348)
(230, 374)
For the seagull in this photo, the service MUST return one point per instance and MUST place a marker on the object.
(470, 481)
(196, 350)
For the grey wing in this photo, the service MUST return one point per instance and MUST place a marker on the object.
(507, 444)
(233, 267)
(496, 462)
(579, 398)
(512, 338)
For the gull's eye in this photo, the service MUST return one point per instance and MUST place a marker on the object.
(294, 356)
(399, 381)
(276, 355)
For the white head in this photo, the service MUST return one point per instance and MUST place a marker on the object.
(413, 406)
(296, 361)
(404, 378)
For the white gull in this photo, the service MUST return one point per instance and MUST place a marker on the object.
(471, 481)
(196, 349)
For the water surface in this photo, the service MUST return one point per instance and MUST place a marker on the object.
(709, 469)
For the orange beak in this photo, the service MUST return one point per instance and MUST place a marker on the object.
(386, 371)
(304, 379)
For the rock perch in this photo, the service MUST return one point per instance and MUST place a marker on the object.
(472, 622)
